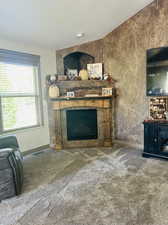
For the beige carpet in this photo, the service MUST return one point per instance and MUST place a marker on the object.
(90, 187)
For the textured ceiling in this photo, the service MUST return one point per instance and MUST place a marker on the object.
(55, 23)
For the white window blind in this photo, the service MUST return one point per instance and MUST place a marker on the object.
(19, 90)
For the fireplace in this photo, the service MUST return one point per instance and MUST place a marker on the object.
(86, 120)
(81, 124)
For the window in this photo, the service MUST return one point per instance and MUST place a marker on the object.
(19, 91)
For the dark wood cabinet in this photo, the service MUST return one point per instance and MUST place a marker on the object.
(156, 139)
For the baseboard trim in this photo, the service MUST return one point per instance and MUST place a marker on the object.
(115, 141)
(28, 152)
(147, 155)
(129, 144)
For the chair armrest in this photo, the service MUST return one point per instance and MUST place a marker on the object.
(5, 152)
(9, 142)
(18, 154)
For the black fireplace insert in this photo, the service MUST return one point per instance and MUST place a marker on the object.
(81, 124)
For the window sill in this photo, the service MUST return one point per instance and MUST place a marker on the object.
(23, 130)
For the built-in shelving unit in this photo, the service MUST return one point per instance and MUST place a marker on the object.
(158, 108)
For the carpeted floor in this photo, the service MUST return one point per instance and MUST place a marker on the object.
(90, 187)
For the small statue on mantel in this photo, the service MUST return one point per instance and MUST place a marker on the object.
(109, 78)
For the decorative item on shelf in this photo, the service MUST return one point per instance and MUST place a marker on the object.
(107, 91)
(109, 78)
(92, 95)
(72, 73)
(51, 79)
(83, 74)
(95, 71)
(158, 108)
(53, 91)
(70, 94)
(106, 76)
(62, 77)
(77, 78)
(80, 92)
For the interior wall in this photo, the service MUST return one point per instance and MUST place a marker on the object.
(125, 59)
(35, 137)
(123, 52)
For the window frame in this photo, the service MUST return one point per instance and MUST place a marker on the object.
(37, 96)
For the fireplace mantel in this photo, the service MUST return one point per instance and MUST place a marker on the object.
(104, 106)
(80, 98)
(83, 102)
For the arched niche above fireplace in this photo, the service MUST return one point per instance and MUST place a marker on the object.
(77, 61)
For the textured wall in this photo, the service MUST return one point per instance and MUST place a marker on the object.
(124, 56)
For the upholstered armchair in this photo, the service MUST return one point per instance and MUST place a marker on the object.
(11, 168)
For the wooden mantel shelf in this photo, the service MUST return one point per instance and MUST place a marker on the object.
(83, 102)
(80, 98)
(84, 83)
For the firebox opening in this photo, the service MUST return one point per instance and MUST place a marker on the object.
(81, 124)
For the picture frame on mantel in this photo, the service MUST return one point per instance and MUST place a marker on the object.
(107, 91)
(70, 94)
(95, 71)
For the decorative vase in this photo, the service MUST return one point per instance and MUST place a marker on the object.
(84, 74)
(53, 91)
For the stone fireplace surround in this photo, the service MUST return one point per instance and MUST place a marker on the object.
(105, 115)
